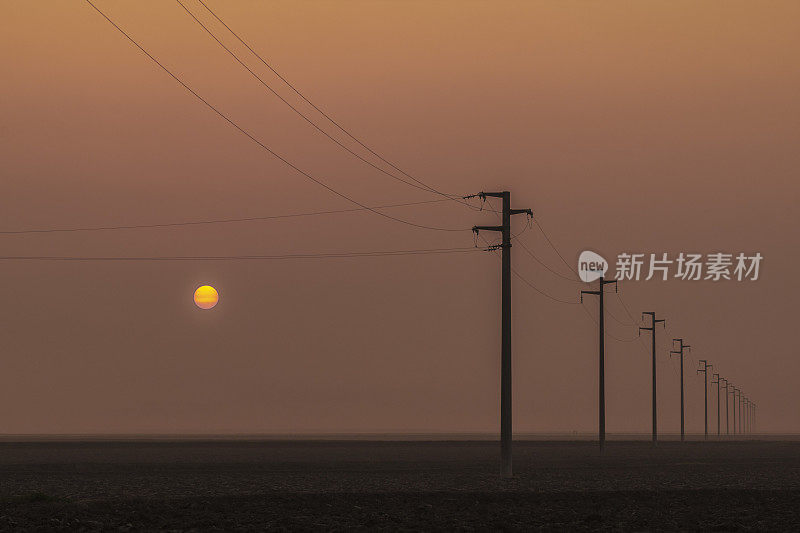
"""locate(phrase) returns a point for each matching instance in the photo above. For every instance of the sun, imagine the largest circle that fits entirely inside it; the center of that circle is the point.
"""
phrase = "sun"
(206, 297)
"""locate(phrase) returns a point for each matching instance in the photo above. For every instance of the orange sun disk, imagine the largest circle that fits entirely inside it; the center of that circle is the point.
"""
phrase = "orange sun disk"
(206, 297)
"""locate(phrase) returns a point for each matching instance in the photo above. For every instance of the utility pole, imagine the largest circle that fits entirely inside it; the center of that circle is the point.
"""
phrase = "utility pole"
(652, 329)
(601, 401)
(505, 323)
(717, 383)
(741, 417)
(680, 353)
(704, 370)
(734, 410)
(742, 414)
(727, 428)
(743, 406)
(747, 414)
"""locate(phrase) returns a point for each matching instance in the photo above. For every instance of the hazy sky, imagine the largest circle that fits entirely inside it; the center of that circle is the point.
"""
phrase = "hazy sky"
(626, 126)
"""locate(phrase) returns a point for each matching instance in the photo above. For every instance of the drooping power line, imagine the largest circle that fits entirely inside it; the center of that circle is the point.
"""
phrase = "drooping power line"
(332, 255)
(211, 221)
(319, 109)
(297, 111)
(260, 143)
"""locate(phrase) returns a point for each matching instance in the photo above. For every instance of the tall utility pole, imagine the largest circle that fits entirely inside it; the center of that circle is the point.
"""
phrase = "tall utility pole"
(680, 353)
(734, 409)
(652, 329)
(505, 323)
(601, 401)
(727, 428)
(704, 370)
(715, 375)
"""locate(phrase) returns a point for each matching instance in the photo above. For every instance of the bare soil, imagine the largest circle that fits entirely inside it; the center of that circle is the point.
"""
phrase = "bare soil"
(408, 486)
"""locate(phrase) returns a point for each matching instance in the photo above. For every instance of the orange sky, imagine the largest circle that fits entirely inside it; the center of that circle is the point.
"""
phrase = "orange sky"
(646, 127)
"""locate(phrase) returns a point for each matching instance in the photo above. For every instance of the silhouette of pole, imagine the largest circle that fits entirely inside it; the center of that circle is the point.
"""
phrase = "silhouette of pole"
(749, 416)
(742, 425)
(717, 383)
(741, 417)
(744, 415)
(680, 353)
(652, 329)
(601, 400)
(727, 428)
(505, 323)
(734, 410)
(704, 370)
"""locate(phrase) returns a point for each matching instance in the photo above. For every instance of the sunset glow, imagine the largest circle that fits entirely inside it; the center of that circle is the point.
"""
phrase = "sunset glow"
(206, 297)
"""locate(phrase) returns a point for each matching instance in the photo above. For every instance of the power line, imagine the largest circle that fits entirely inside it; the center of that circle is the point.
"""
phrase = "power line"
(606, 330)
(552, 245)
(530, 253)
(258, 142)
(537, 289)
(332, 255)
(612, 315)
(212, 221)
(491, 247)
(297, 111)
(627, 310)
(319, 110)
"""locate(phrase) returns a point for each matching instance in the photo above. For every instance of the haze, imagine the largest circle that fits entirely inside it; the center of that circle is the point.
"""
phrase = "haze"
(627, 127)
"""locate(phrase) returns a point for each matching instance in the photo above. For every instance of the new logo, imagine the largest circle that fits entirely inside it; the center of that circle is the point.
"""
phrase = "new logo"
(591, 266)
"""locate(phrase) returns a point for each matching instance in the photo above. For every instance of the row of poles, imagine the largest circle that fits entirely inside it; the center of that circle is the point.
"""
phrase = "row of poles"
(742, 424)
(746, 419)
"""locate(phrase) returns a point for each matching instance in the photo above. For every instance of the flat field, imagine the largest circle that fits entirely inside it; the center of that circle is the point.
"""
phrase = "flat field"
(382, 485)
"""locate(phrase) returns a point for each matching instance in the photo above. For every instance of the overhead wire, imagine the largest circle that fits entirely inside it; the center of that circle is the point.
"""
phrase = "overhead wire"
(297, 111)
(538, 225)
(331, 255)
(260, 143)
(320, 110)
(213, 221)
(597, 323)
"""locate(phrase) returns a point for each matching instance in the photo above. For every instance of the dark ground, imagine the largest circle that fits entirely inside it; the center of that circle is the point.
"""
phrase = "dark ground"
(326, 485)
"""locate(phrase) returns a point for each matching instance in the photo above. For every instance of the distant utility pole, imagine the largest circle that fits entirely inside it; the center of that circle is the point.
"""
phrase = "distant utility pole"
(727, 428)
(747, 414)
(704, 370)
(743, 414)
(505, 323)
(715, 375)
(652, 329)
(734, 409)
(601, 432)
(680, 353)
